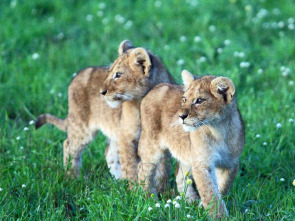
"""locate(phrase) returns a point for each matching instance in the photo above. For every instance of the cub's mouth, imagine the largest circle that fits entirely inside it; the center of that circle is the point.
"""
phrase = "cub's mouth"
(113, 101)
(116, 99)
(188, 128)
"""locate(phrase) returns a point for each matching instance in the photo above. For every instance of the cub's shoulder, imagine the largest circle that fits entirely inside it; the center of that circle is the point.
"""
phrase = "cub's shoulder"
(165, 89)
(89, 74)
(161, 93)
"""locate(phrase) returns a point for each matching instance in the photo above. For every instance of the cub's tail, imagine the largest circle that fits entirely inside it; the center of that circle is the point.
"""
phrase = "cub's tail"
(50, 119)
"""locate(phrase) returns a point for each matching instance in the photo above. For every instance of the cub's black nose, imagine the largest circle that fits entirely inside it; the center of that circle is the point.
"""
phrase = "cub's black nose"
(103, 92)
(183, 116)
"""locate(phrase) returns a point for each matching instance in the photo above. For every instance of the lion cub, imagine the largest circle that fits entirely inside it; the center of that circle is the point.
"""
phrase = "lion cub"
(208, 138)
(133, 74)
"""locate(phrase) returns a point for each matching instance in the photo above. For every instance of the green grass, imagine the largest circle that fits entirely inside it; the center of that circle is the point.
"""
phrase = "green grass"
(59, 31)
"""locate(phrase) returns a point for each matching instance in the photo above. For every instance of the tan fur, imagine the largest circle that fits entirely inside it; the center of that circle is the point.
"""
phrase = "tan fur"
(212, 147)
(139, 71)
(89, 111)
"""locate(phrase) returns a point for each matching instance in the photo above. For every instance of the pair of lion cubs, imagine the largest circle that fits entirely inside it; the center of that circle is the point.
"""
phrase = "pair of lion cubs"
(199, 124)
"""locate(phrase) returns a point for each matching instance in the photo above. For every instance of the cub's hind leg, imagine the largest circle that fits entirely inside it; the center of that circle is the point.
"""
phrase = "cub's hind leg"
(225, 178)
(150, 155)
(182, 173)
(162, 173)
(112, 158)
(79, 136)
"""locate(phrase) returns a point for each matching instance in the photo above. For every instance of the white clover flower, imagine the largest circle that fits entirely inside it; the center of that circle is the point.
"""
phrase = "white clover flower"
(260, 71)
(102, 5)
(24, 186)
(188, 216)
(60, 36)
(150, 208)
(18, 138)
(241, 54)
(227, 42)
(169, 201)
(248, 7)
(262, 13)
(244, 64)
(291, 83)
(257, 135)
(88, 198)
(278, 125)
(236, 54)
(282, 179)
(120, 19)
(74, 74)
(21, 147)
(128, 24)
(159, 25)
(166, 47)
(89, 17)
(26, 128)
(99, 13)
(291, 26)
(281, 24)
(177, 205)
(13, 4)
(193, 3)
(202, 59)
(178, 198)
(167, 205)
(51, 19)
(291, 20)
(31, 122)
(285, 73)
(212, 28)
(276, 11)
(189, 181)
(264, 143)
(288, 70)
(197, 39)
(291, 120)
(105, 21)
(59, 94)
(157, 205)
(180, 62)
(183, 39)
(35, 56)
(1, 189)
(158, 4)
(282, 68)
(51, 91)
(219, 50)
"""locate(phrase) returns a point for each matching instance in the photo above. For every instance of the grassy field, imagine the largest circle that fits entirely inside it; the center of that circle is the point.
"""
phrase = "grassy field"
(43, 43)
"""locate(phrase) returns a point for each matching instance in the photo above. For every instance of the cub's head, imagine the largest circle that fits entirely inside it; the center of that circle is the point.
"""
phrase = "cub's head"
(128, 77)
(205, 100)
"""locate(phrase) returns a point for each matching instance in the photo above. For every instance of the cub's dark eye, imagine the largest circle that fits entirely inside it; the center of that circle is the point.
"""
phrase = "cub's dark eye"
(199, 100)
(183, 99)
(117, 75)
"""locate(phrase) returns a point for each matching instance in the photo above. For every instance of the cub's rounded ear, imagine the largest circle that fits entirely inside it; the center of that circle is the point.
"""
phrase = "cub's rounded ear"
(124, 46)
(223, 88)
(140, 59)
(187, 78)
